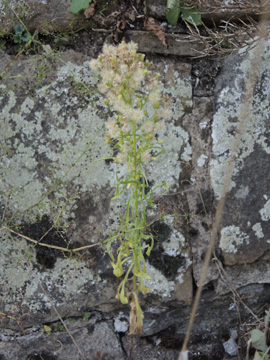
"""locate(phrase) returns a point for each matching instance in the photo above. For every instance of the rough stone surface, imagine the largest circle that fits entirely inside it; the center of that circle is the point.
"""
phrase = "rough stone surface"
(37, 344)
(244, 236)
(45, 15)
(52, 131)
(178, 44)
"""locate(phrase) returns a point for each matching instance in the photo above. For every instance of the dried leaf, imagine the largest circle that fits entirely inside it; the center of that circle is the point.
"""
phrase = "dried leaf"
(131, 15)
(118, 32)
(121, 24)
(132, 318)
(151, 25)
(47, 329)
(90, 11)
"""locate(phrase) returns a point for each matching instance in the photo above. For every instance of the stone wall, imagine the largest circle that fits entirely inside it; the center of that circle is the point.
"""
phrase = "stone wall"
(52, 131)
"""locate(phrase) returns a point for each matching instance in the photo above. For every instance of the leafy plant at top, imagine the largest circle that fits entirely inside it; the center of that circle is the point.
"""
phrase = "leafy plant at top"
(189, 12)
(135, 97)
(77, 5)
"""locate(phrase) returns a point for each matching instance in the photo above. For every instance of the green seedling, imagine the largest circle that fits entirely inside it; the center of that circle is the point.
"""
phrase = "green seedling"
(86, 316)
(3, 45)
(59, 327)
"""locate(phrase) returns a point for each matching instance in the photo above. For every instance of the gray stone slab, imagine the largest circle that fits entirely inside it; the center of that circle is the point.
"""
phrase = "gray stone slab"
(244, 233)
(37, 344)
(178, 44)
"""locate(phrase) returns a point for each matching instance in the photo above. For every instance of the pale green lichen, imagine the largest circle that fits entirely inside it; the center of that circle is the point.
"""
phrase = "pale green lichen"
(257, 228)
(69, 134)
(242, 192)
(231, 237)
(201, 160)
(158, 283)
(19, 276)
(176, 241)
(42, 139)
(183, 269)
(203, 125)
(226, 120)
(265, 211)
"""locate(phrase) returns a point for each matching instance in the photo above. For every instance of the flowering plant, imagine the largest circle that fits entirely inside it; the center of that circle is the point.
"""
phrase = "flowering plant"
(136, 100)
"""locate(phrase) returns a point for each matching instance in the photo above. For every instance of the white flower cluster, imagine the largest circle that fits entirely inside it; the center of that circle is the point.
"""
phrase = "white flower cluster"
(135, 96)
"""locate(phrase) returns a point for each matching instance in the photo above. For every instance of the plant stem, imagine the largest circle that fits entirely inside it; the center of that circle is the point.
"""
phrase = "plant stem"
(134, 169)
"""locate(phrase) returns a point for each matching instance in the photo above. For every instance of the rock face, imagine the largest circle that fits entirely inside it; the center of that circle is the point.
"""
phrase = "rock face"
(245, 227)
(53, 191)
(47, 15)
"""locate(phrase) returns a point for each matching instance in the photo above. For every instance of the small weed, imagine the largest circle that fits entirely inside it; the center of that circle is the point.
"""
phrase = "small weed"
(21, 37)
(59, 327)
(3, 45)
(135, 96)
(86, 316)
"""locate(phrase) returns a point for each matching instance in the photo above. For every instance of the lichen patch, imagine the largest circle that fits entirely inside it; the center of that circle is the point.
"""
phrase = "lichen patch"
(257, 228)
(225, 121)
(265, 211)
(231, 238)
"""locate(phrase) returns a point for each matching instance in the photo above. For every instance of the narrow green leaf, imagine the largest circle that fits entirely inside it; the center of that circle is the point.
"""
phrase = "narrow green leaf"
(173, 11)
(77, 5)
(141, 274)
(150, 247)
(263, 356)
